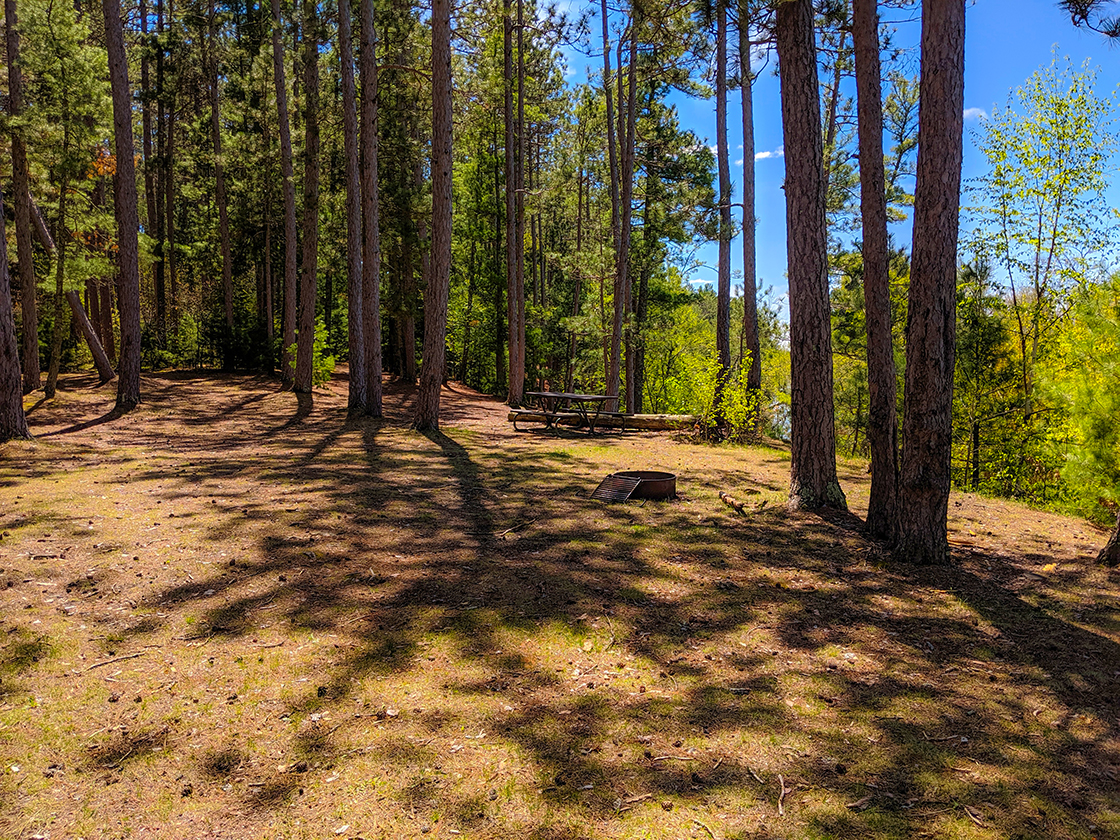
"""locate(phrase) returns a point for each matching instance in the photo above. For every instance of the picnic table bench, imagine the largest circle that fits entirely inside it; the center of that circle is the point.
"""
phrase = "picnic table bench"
(555, 407)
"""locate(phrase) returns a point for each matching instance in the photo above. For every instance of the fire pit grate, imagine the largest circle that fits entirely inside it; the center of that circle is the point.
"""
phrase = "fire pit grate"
(616, 488)
(636, 484)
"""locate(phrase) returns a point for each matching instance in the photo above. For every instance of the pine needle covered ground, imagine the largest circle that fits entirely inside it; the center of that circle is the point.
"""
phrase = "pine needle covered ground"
(232, 614)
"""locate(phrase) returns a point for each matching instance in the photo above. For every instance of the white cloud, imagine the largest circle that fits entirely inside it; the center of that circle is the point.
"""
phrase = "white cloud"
(777, 153)
(739, 162)
(975, 114)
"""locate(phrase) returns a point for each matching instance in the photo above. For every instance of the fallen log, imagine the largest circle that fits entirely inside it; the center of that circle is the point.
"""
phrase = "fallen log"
(741, 507)
(644, 422)
(40, 227)
(100, 357)
(732, 503)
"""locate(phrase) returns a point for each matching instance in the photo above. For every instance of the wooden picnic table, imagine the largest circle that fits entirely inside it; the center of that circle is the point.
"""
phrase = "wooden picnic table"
(555, 405)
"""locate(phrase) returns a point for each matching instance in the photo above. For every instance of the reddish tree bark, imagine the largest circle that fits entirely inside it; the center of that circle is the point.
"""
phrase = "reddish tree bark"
(813, 481)
(882, 422)
(1110, 554)
(13, 421)
(435, 299)
(519, 203)
(927, 423)
(628, 140)
(750, 288)
(32, 373)
(128, 222)
(357, 394)
(371, 219)
(514, 292)
(59, 305)
(309, 264)
(723, 274)
(612, 368)
(220, 179)
(288, 319)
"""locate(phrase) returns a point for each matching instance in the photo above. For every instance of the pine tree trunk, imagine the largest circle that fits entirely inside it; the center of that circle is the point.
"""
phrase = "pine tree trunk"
(641, 310)
(1110, 554)
(723, 283)
(813, 481)
(750, 270)
(309, 264)
(60, 279)
(516, 377)
(517, 366)
(628, 142)
(158, 212)
(32, 373)
(578, 272)
(108, 336)
(882, 423)
(124, 199)
(150, 202)
(409, 296)
(165, 268)
(927, 424)
(169, 202)
(266, 305)
(435, 300)
(288, 325)
(371, 210)
(464, 356)
(500, 336)
(100, 358)
(834, 99)
(614, 348)
(93, 305)
(13, 421)
(220, 185)
(357, 396)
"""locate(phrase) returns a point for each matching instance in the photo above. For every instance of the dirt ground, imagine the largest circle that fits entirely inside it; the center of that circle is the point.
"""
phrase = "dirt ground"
(235, 614)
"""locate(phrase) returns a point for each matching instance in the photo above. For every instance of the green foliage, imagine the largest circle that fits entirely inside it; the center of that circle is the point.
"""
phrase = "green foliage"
(739, 406)
(1040, 223)
(851, 392)
(1086, 384)
(1040, 215)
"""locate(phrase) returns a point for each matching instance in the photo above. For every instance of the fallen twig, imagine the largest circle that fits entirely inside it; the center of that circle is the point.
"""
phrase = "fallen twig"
(613, 639)
(674, 758)
(944, 738)
(116, 764)
(756, 777)
(973, 816)
(710, 832)
(781, 796)
(517, 527)
(114, 659)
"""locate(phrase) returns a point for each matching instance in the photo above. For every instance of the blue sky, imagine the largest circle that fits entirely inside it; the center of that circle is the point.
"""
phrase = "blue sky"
(1005, 42)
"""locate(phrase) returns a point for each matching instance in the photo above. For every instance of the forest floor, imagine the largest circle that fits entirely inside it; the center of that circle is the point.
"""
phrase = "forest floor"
(234, 614)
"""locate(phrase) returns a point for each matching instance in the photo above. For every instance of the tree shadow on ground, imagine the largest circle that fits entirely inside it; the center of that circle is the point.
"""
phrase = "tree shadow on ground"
(775, 670)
